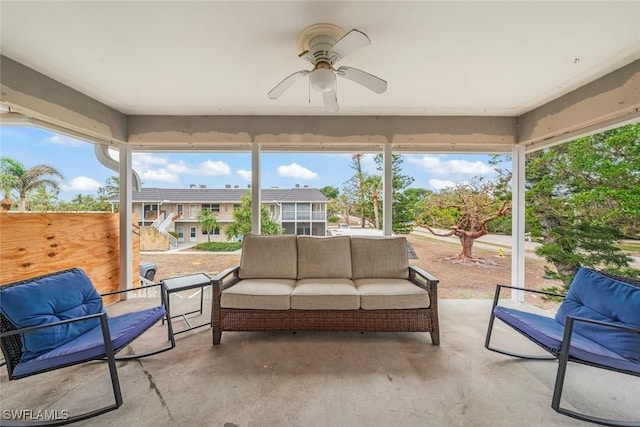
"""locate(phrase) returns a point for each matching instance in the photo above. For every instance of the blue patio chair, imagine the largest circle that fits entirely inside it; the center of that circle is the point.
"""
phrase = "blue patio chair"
(597, 324)
(58, 320)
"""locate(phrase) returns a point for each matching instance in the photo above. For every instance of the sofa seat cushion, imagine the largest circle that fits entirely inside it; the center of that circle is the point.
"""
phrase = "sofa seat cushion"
(324, 257)
(258, 294)
(269, 257)
(381, 294)
(325, 294)
(379, 257)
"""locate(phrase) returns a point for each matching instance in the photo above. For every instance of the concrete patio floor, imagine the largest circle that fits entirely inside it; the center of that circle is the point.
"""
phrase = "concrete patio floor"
(327, 379)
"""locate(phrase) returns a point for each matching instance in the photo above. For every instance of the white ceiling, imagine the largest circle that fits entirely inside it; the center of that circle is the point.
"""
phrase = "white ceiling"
(221, 58)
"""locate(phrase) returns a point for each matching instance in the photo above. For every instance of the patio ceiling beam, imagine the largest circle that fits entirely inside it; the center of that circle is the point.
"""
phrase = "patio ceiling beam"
(607, 102)
(323, 133)
(40, 97)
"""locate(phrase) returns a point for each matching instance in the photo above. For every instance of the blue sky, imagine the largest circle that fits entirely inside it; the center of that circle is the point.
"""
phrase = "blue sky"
(83, 174)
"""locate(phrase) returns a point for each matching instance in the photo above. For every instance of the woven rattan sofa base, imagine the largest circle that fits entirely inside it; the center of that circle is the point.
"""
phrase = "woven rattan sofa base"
(417, 320)
(411, 320)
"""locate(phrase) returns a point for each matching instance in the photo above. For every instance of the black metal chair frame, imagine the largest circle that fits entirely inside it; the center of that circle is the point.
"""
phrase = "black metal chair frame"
(563, 357)
(12, 349)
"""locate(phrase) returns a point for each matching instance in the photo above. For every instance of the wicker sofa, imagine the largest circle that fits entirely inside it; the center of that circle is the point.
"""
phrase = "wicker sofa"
(337, 284)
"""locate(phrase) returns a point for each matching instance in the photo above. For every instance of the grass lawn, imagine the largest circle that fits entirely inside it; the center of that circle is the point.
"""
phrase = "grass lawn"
(219, 246)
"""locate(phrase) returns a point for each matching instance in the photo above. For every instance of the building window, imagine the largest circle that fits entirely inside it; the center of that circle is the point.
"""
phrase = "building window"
(303, 228)
(317, 211)
(288, 211)
(211, 207)
(216, 232)
(304, 212)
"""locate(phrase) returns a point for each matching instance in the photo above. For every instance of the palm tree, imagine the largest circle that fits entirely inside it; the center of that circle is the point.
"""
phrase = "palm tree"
(208, 222)
(15, 176)
(10, 169)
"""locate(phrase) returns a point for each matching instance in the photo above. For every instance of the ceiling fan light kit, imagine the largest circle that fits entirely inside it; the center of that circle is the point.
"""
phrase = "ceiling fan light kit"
(324, 45)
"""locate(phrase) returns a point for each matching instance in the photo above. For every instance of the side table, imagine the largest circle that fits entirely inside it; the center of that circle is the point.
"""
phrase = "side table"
(183, 283)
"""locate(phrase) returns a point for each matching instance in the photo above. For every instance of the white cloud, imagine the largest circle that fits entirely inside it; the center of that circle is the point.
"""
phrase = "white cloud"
(436, 166)
(161, 174)
(294, 170)
(65, 140)
(244, 174)
(157, 168)
(439, 184)
(81, 184)
(211, 168)
(145, 159)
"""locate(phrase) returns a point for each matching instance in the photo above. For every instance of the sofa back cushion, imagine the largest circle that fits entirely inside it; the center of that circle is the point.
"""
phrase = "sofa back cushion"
(596, 296)
(47, 299)
(324, 257)
(379, 257)
(269, 257)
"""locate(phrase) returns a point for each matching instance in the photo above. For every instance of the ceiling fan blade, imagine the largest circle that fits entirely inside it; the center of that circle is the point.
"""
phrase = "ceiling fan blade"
(286, 83)
(330, 101)
(353, 40)
(367, 80)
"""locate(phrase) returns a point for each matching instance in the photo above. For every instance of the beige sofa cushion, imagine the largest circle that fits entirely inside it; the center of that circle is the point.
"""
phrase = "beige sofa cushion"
(325, 294)
(324, 257)
(269, 257)
(380, 294)
(259, 294)
(379, 257)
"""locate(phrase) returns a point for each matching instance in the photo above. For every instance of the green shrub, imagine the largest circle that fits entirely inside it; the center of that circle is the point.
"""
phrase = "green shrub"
(333, 219)
(219, 246)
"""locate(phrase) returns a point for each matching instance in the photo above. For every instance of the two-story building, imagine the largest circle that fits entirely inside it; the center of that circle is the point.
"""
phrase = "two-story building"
(299, 210)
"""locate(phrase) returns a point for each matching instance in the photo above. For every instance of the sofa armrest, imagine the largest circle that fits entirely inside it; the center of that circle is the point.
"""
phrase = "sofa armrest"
(423, 279)
(218, 281)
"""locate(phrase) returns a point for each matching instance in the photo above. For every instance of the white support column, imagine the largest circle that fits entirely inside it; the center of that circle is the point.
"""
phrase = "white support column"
(126, 218)
(387, 190)
(255, 188)
(517, 223)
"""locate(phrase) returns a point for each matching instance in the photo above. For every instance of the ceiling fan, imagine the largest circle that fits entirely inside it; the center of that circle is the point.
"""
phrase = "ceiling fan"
(324, 45)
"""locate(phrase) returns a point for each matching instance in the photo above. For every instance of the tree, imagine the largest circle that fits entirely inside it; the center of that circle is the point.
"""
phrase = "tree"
(586, 195)
(208, 222)
(10, 170)
(242, 220)
(372, 187)
(331, 193)
(43, 200)
(471, 207)
(355, 188)
(403, 217)
(25, 180)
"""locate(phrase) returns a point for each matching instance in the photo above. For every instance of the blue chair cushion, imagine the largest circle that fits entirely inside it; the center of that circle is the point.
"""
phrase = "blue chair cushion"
(547, 332)
(49, 299)
(595, 296)
(90, 345)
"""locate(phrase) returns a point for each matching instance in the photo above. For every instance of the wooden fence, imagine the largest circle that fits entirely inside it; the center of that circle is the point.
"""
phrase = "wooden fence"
(32, 244)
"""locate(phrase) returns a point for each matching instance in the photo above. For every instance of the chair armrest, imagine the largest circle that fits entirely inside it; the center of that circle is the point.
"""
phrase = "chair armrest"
(573, 319)
(535, 291)
(130, 290)
(50, 325)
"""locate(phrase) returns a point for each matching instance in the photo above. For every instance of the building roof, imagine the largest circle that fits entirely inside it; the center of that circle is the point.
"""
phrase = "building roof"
(224, 195)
